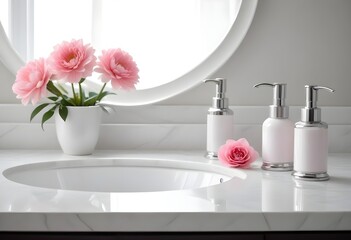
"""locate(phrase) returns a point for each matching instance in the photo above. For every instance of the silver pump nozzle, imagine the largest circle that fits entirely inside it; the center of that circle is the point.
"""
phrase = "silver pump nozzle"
(311, 113)
(278, 109)
(219, 101)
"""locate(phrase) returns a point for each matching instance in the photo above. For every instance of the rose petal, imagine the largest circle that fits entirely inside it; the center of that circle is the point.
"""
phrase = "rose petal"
(118, 66)
(31, 81)
(237, 153)
(71, 61)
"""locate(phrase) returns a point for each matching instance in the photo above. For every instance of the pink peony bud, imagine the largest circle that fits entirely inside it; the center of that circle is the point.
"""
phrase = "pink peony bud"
(71, 61)
(237, 153)
(117, 66)
(31, 81)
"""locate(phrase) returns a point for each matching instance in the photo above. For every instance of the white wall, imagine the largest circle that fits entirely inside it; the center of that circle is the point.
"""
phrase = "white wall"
(6, 79)
(298, 42)
(293, 41)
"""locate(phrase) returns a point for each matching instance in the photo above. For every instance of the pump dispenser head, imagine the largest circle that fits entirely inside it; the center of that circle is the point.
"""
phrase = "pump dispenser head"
(278, 109)
(311, 113)
(219, 102)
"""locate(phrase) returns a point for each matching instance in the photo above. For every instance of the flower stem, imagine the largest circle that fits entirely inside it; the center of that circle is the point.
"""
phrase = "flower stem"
(81, 94)
(74, 94)
(102, 89)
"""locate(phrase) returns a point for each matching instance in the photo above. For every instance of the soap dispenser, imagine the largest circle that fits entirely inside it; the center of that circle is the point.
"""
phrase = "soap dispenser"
(277, 132)
(219, 119)
(311, 140)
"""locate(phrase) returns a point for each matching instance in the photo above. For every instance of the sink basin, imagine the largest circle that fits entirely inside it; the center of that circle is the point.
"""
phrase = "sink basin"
(121, 175)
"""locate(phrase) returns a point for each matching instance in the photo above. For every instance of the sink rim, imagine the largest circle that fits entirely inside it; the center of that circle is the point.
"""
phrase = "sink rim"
(123, 162)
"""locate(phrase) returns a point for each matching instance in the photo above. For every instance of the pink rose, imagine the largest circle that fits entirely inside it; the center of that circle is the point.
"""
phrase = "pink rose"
(71, 61)
(237, 153)
(118, 66)
(31, 81)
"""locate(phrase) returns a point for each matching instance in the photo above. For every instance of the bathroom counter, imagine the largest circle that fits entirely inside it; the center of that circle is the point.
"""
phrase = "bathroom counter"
(261, 201)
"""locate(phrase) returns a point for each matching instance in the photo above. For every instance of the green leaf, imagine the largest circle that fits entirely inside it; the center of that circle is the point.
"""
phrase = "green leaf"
(90, 101)
(93, 98)
(53, 89)
(81, 80)
(92, 94)
(61, 88)
(104, 109)
(37, 110)
(47, 116)
(104, 94)
(63, 111)
(53, 98)
(66, 101)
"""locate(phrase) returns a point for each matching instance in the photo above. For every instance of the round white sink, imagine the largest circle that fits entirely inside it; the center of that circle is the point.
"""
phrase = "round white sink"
(121, 175)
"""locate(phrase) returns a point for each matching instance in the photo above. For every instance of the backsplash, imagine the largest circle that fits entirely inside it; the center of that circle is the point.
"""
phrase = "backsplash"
(154, 127)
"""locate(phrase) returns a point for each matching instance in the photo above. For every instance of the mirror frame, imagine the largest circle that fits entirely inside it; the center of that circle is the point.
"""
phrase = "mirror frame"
(11, 60)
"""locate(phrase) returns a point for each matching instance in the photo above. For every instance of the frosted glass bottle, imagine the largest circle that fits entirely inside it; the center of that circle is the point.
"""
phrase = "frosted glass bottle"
(219, 120)
(311, 140)
(311, 149)
(277, 132)
(219, 130)
(278, 142)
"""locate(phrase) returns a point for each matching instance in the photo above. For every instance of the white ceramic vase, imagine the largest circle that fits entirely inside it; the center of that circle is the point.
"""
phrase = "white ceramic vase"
(79, 134)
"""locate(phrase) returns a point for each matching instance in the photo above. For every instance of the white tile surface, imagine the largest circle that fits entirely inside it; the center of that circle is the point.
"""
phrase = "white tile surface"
(161, 127)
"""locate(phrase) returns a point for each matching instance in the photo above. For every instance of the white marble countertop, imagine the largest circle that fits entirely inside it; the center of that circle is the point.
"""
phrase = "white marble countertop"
(260, 201)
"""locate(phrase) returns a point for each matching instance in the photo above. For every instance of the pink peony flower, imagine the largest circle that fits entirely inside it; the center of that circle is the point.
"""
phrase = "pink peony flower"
(31, 81)
(237, 153)
(71, 61)
(118, 66)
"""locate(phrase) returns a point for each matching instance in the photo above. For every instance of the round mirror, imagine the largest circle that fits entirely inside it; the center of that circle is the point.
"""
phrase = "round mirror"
(176, 44)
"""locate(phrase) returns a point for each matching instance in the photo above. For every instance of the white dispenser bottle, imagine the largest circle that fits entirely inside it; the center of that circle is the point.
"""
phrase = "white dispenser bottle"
(219, 120)
(311, 140)
(277, 133)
